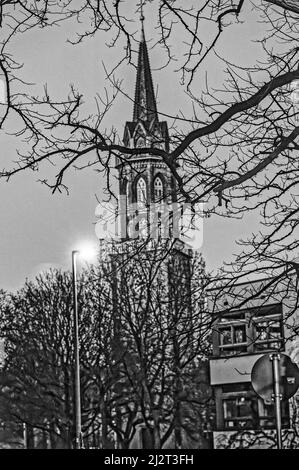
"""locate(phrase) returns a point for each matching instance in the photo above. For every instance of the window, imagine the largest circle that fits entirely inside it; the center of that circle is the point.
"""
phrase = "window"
(243, 409)
(159, 226)
(268, 332)
(250, 331)
(232, 334)
(141, 191)
(126, 192)
(241, 412)
(158, 189)
(140, 142)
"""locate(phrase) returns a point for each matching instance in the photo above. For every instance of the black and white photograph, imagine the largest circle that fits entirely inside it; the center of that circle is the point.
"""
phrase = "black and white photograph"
(149, 234)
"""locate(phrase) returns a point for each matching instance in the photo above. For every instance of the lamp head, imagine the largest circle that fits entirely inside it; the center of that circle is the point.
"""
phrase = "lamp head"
(87, 252)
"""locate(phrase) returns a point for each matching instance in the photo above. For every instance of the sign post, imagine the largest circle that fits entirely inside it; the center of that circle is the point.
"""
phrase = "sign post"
(274, 377)
(275, 358)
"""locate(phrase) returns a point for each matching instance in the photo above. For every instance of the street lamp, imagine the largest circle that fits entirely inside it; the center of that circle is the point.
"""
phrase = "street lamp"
(87, 252)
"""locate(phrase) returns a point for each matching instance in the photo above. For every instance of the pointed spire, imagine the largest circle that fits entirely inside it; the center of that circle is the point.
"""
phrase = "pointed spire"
(145, 108)
(142, 21)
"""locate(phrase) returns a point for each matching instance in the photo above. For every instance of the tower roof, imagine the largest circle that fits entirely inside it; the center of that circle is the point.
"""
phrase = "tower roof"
(145, 129)
(145, 108)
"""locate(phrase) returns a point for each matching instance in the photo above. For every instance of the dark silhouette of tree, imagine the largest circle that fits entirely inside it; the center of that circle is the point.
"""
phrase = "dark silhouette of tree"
(143, 353)
(37, 382)
(237, 148)
(162, 343)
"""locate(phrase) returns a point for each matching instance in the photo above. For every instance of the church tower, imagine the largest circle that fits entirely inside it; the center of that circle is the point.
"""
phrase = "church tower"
(151, 281)
(144, 180)
(148, 191)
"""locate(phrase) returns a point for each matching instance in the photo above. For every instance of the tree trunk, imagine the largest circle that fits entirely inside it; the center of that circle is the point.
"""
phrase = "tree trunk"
(104, 428)
(156, 430)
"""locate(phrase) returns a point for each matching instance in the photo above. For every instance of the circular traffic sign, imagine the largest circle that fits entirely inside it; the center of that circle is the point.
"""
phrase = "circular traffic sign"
(262, 376)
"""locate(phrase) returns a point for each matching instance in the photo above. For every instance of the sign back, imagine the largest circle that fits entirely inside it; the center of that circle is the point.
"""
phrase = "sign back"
(262, 377)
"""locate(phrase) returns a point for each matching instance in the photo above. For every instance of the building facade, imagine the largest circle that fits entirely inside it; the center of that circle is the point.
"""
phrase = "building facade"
(249, 321)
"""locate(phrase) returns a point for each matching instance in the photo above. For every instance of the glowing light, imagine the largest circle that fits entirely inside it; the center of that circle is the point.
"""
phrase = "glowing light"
(87, 252)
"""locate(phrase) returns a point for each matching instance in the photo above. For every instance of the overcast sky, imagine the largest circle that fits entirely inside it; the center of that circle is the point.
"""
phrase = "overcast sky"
(39, 229)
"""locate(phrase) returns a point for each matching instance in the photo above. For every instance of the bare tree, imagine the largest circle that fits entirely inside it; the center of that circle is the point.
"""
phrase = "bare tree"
(144, 342)
(37, 382)
(236, 150)
(162, 346)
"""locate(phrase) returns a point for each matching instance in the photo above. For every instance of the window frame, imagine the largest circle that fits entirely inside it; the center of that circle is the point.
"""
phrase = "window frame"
(158, 197)
(232, 325)
(268, 319)
(249, 318)
(262, 420)
(143, 190)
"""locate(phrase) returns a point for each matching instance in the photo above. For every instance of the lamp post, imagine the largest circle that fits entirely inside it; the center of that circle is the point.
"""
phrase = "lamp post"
(86, 252)
(77, 359)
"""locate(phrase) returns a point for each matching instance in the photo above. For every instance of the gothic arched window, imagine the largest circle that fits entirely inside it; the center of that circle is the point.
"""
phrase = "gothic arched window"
(158, 189)
(126, 194)
(141, 191)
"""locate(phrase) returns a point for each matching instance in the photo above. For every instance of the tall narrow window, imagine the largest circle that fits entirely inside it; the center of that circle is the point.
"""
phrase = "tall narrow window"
(126, 192)
(158, 189)
(141, 191)
(124, 212)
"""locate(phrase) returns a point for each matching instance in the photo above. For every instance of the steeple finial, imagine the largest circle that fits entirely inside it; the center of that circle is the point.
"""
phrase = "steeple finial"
(142, 20)
(141, 11)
